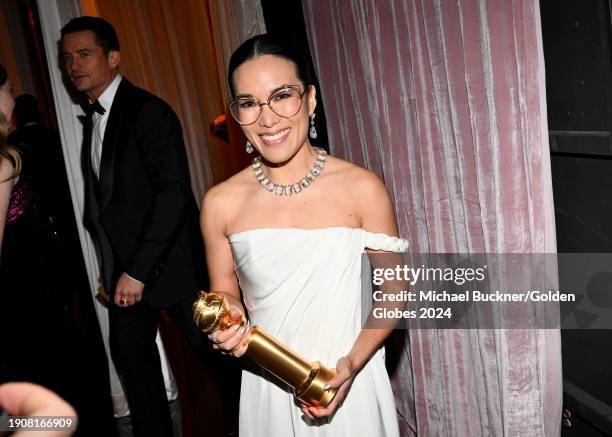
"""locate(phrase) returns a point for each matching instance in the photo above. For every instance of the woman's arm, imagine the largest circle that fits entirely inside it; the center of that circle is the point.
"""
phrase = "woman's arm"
(375, 210)
(377, 215)
(220, 263)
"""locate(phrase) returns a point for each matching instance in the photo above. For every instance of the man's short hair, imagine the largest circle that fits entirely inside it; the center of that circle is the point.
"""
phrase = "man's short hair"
(106, 37)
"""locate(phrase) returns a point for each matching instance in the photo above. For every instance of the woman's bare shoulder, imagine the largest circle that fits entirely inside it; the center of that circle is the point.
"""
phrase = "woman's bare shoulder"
(367, 194)
(354, 176)
(229, 193)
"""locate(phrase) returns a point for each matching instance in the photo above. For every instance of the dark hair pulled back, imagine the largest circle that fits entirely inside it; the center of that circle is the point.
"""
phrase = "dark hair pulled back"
(267, 45)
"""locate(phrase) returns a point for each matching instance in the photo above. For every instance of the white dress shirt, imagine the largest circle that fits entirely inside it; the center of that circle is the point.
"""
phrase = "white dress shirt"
(99, 123)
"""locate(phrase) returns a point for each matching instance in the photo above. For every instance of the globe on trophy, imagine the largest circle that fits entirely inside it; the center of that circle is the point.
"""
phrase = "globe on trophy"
(308, 379)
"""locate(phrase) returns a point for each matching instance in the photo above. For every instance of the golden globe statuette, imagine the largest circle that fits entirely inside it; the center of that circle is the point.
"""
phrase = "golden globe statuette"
(308, 380)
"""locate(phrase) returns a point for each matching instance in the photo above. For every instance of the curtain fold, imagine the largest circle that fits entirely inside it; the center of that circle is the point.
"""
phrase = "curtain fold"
(8, 57)
(234, 21)
(179, 51)
(445, 101)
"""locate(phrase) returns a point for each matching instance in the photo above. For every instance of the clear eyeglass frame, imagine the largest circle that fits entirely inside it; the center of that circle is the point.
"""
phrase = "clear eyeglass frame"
(296, 88)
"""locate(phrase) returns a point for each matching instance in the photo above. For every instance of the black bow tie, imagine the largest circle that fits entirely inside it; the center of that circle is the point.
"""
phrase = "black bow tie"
(94, 107)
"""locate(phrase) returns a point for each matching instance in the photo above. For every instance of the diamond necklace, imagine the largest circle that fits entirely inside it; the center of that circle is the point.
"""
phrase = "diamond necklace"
(291, 189)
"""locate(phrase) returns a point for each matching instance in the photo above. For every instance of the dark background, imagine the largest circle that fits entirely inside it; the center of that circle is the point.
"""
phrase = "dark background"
(577, 41)
(285, 21)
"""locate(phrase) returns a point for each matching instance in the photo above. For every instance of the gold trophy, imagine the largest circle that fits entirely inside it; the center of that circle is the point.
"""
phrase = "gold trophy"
(308, 380)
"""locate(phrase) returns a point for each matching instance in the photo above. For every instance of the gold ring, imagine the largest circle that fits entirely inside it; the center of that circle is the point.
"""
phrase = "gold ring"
(123, 301)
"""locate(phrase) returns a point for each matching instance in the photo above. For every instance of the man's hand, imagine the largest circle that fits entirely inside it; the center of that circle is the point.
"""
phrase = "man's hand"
(128, 291)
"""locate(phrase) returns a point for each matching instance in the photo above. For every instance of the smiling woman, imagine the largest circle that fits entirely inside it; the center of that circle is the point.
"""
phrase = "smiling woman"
(285, 102)
(288, 232)
(284, 118)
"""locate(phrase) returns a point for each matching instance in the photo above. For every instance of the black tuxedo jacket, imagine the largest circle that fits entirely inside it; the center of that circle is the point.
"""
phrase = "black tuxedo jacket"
(141, 208)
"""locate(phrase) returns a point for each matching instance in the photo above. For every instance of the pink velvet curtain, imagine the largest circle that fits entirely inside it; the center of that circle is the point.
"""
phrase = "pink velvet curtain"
(445, 100)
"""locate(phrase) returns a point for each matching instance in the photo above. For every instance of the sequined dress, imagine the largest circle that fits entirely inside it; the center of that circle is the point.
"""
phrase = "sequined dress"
(22, 202)
(29, 312)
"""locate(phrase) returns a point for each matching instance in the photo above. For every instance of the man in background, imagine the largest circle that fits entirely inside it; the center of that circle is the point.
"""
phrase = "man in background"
(142, 212)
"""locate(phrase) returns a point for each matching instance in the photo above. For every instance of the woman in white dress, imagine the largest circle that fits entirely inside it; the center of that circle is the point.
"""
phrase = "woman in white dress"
(286, 236)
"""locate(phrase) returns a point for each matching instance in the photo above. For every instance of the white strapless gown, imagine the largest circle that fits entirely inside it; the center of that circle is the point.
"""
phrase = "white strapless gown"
(303, 286)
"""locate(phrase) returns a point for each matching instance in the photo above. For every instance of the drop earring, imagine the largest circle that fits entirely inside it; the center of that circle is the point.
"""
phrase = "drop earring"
(249, 147)
(313, 130)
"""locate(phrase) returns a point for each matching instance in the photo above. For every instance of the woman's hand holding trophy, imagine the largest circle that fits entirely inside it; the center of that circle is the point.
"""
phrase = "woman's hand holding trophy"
(216, 314)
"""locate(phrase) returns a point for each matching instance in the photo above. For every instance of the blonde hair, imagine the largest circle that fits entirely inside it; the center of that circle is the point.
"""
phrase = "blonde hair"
(6, 151)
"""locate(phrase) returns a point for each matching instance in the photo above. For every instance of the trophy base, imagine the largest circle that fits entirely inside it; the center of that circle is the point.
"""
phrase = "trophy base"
(313, 392)
(211, 312)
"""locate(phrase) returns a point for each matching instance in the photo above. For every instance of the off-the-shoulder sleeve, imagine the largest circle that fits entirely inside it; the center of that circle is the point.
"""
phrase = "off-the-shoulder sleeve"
(380, 241)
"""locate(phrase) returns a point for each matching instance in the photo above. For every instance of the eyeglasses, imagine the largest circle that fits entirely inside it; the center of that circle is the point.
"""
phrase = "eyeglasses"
(286, 102)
